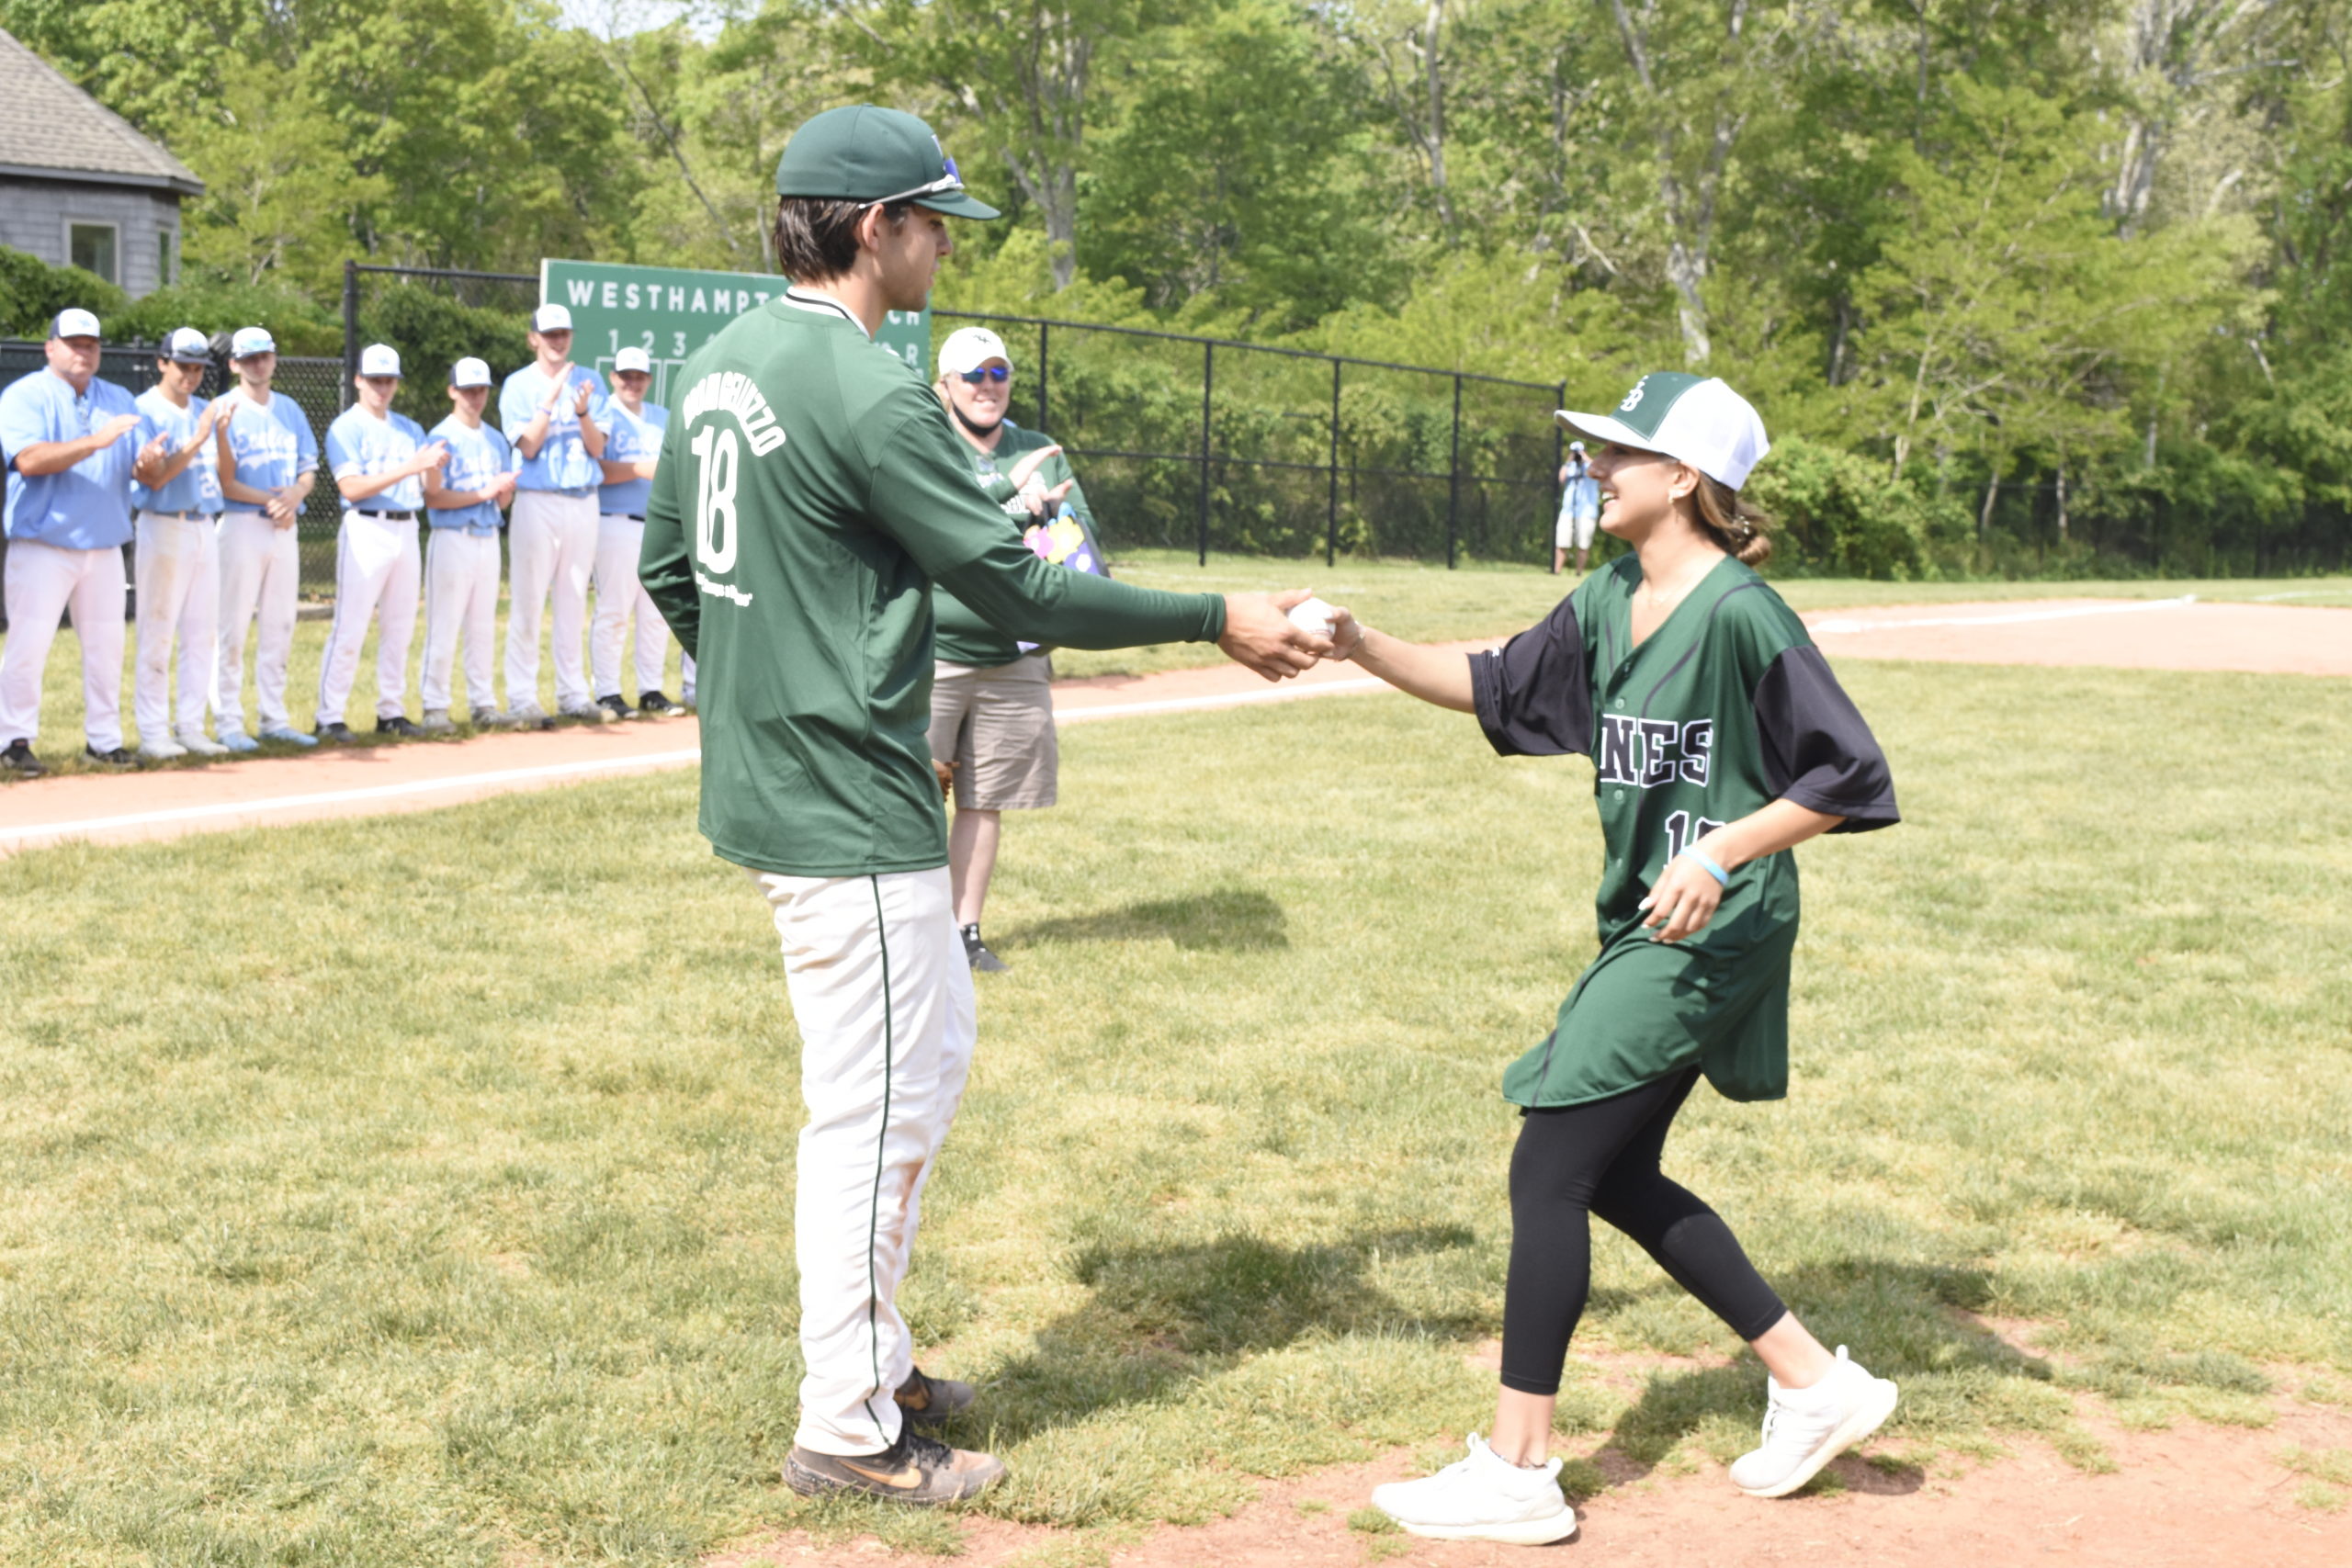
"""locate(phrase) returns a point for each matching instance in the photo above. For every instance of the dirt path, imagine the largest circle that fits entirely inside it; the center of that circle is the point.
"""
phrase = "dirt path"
(168, 802)
(2194, 1496)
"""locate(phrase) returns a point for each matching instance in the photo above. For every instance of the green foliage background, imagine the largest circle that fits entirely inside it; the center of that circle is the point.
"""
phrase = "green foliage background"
(2023, 291)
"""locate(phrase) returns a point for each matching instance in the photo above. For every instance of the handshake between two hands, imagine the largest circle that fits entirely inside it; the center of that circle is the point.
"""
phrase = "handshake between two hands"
(1282, 635)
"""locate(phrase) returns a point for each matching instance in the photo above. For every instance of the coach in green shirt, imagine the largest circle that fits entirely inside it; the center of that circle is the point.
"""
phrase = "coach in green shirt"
(809, 493)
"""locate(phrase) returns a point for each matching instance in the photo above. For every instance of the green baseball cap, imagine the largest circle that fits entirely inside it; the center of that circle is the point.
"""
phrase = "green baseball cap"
(867, 153)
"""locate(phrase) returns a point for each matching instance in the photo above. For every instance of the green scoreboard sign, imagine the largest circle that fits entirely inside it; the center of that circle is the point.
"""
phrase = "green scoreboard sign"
(670, 313)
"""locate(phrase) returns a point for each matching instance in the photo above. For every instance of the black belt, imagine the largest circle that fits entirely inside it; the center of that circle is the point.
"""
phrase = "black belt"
(177, 516)
(388, 517)
(633, 516)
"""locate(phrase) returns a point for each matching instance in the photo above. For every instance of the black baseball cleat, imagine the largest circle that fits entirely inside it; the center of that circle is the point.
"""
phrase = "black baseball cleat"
(399, 724)
(118, 758)
(614, 706)
(654, 703)
(19, 759)
(976, 954)
(336, 735)
(915, 1469)
(932, 1400)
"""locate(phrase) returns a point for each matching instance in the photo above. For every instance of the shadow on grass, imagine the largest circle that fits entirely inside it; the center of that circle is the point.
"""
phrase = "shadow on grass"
(1224, 919)
(1898, 1317)
(1163, 1318)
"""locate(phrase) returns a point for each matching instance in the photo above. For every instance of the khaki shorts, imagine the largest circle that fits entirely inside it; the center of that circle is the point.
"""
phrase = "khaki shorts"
(996, 725)
(1574, 530)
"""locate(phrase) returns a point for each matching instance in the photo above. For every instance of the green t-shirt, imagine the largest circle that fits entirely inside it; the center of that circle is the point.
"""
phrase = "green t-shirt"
(809, 493)
(1727, 707)
(965, 636)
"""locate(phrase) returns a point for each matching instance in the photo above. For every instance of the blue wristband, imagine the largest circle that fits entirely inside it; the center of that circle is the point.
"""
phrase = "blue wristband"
(1710, 867)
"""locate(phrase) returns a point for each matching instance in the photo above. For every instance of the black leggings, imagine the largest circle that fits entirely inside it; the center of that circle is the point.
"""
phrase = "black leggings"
(1602, 1158)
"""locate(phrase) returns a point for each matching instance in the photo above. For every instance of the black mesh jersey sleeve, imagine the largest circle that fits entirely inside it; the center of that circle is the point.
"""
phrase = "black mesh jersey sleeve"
(1817, 750)
(1535, 694)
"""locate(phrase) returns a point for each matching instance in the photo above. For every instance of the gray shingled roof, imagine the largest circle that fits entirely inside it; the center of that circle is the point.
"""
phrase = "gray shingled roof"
(49, 127)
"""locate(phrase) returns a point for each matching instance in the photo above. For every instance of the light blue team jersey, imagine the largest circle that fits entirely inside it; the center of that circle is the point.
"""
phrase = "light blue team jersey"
(478, 454)
(1581, 496)
(271, 446)
(635, 437)
(197, 488)
(88, 507)
(563, 463)
(360, 445)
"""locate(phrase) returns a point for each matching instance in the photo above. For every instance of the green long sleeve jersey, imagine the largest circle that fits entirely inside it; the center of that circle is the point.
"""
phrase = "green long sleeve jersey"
(809, 493)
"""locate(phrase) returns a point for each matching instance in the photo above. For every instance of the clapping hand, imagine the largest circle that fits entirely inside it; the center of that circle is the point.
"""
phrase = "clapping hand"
(151, 457)
(580, 398)
(1029, 490)
(430, 457)
(500, 488)
(116, 428)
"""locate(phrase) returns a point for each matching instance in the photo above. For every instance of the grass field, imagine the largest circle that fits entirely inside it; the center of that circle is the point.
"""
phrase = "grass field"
(417, 1190)
(1407, 598)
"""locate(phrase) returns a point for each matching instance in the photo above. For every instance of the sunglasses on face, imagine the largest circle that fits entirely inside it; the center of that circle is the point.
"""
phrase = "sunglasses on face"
(997, 373)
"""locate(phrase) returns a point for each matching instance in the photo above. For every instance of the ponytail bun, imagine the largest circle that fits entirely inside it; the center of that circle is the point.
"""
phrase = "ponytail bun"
(1737, 525)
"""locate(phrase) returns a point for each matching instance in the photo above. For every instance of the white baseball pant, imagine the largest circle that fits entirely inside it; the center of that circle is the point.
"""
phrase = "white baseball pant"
(552, 538)
(261, 571)
(619, 595)
(883, 997)
(686, 678)
(41, 580)
(177, 568)
(377, 569)
(460, 596)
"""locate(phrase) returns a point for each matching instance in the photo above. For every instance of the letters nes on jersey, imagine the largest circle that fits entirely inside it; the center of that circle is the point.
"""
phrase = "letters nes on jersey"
(670, 312)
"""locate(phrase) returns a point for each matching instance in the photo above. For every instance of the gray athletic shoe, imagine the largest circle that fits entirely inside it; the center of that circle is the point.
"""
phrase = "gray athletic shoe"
(528, 716)
(930, 1400)
(436, 722)
(288, 736)
(238, 741)
(586, 713)
(976, 954)
(915, 1469)
(195, 741)
(162, 748)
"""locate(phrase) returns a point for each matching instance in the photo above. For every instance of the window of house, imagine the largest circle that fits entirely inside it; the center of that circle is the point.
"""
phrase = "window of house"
(162, 258)
(90, 246)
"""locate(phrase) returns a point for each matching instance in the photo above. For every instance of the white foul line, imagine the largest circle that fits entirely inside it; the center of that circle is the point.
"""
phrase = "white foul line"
(18, 837)
(1842, 628)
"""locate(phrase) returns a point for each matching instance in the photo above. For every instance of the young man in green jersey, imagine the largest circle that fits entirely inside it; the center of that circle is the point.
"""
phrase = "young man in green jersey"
(809, 493)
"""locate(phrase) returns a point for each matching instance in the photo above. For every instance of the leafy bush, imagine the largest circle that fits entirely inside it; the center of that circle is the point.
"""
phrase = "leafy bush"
(213, 306)
(434, 332)
(32, 292)
(1841, 515)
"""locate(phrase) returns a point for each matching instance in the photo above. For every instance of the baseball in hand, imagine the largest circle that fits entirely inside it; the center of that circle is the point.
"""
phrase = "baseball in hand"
(1313, 616)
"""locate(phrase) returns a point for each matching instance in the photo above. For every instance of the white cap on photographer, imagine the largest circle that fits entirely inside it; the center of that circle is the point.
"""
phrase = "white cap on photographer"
(968, 348)
(1692, 419)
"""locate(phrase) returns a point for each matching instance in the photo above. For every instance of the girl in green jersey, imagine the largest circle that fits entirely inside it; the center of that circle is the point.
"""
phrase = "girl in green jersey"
(1720, 741)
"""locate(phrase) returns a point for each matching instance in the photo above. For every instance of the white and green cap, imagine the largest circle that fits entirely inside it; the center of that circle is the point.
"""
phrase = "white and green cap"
(1693, 419)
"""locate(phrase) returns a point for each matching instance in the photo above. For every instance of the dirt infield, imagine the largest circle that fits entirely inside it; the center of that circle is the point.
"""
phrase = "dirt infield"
(2172, 633)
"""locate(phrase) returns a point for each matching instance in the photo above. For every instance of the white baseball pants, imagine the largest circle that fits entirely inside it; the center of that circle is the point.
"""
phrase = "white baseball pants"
(261, 571)
(883, 997)
(686, 678)
(619, 594)
(41, 580)
(377, 569)
(553, 538)
(460, 597)
(177, 568)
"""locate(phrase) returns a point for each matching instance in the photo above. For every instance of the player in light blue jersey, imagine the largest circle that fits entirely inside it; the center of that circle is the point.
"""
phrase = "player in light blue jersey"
(554, 414)
(176, 566)
(269, 461)
(630, 455)
(379, 459)
(462, 556)
(66, 436)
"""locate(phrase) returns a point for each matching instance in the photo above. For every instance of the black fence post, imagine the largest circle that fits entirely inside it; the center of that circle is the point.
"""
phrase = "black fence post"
(1559, 460)
(1042, 330)
(1208, 383)
(1332, 526)
(350, 333)
(1454, 479)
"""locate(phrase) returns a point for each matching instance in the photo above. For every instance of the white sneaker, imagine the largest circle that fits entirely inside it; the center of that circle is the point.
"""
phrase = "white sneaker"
(436, 722)
(1805, 1429)
(161, 749)
(1483, 1497)
(194, 739)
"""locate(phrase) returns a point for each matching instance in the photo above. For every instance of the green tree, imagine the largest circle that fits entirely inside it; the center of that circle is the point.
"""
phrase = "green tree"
(278, 184)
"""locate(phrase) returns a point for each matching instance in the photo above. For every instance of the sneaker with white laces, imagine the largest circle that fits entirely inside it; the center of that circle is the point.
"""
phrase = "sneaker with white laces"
(162, 748)
(1805, 1429)
(197, 743)
(1483, 1497)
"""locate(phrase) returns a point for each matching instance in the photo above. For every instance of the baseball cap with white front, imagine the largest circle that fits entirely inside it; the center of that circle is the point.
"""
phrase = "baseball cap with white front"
(73, 323)
(250, 341)
(1693, 419)
(380, 359)
(469, 372)
(968, 348)
(551, 319)
(632, 359)
(187, 346)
